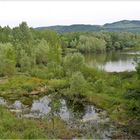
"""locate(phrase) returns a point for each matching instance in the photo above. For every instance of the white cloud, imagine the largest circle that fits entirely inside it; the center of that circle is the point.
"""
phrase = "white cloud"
(45, 13)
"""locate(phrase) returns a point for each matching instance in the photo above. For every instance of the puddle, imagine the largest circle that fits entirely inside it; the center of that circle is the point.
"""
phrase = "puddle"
(64, 112)
(3, 101)
(41, 107)
(78, 116)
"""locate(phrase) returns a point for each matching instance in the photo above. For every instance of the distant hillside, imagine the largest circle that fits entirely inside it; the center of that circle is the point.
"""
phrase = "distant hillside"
(73, 28)
(124, 25)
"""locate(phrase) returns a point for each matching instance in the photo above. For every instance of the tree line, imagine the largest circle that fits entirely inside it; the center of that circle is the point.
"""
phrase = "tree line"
(23, 48)
(100, 41)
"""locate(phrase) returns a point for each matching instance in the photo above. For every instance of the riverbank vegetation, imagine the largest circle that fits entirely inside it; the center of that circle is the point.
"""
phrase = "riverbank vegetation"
(98, 42)
(39, 62)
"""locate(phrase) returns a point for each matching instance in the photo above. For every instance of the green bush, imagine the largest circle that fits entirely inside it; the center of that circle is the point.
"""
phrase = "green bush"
(7, 59)
(100, 86)
(55, 70)
(78, 84)
(57, 83)
(73, 63)
(12, 127)
(133, 108)
(40, 72)
(88, 44)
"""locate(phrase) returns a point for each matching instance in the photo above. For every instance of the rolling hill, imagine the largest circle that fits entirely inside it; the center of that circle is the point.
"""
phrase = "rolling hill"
(123, 25)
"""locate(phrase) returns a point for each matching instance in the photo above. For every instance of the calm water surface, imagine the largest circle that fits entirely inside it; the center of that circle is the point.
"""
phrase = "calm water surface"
(113, 61)
(87, 118)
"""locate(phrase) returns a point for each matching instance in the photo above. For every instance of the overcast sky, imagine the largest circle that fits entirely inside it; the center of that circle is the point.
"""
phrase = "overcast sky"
(46, 13)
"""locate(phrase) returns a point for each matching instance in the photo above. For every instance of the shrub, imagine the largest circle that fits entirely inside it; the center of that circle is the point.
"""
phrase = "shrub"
(100, 85)
(55, 70)
(73, 62)
(57, 83)
(7, 59)
(40, 72)
(78, 84)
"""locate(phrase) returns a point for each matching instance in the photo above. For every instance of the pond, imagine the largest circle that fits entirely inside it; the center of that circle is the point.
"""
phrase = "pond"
(90, 120)
(118, 61)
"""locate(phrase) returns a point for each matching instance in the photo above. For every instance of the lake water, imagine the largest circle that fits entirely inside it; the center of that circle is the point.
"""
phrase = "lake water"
(113, 61)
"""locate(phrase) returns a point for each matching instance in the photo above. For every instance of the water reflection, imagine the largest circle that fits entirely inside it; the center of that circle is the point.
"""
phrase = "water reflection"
(86, 118)
(41, 106)
(90, 113)
(113, 61)
(64, 113)
(17, 105)
(77, 109)
(3, 101)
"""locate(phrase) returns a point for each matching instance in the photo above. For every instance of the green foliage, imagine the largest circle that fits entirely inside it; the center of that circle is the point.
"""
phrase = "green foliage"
(25, 62)
(133, 94)
(73, 43)
(40, 72)
(73, 62)
(50, 36)
(117, 45)
(23, 36)
(41, 52)
(100, 85)
(78, 84)
(54, 54)
(7, 57)
(89, 44)
(133, 108)
(133, 91)
(55, 70)
(17, 86)
(138, 69)
(100, 41)
(12, 127)
(57, 83)
(27, 52)
(5, 34)
(93, 74)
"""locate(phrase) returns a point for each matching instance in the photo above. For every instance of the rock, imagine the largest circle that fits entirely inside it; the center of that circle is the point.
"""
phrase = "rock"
(17, 105)
(31, 116)
(39, 91)
(93, 118)
(16, 110)
(3, 102)
(35, 92)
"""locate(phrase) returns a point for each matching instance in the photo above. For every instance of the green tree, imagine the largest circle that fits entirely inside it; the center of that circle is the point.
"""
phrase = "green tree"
(22, 38)
(55, 54)
(73, 43)
(5, 34)
(55, 50)
(41, 52)
(73, 62)
(78, 84)
(25, 62)
(8, 59)
(89, 44)
(55, 70)
(117, 45)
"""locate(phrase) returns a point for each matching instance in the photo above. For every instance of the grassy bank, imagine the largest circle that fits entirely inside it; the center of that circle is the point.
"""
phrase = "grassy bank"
(117, 93)
(15, 128)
